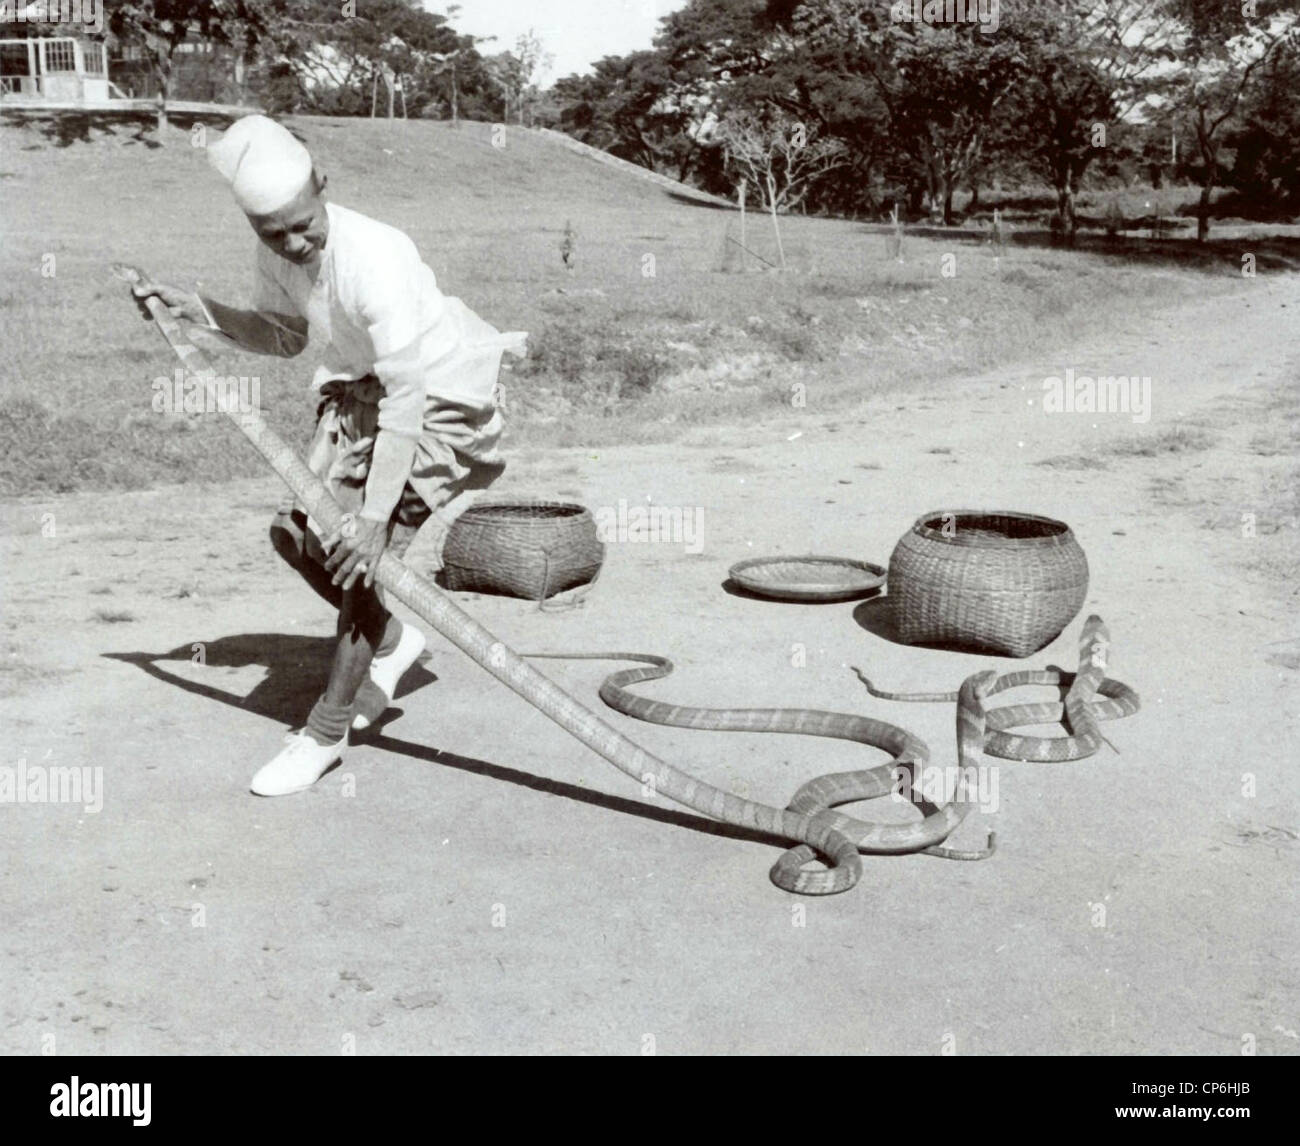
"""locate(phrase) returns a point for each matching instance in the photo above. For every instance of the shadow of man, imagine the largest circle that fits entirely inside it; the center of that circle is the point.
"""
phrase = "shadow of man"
(296, 669)
(296, 665)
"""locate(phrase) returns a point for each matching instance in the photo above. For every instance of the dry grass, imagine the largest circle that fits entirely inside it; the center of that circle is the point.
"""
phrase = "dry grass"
(1175, 440)
(114, 616)
(646, 340)
(1073, 462)
(1171, 442)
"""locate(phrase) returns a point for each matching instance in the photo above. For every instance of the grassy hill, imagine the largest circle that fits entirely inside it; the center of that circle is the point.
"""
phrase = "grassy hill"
(644, 337)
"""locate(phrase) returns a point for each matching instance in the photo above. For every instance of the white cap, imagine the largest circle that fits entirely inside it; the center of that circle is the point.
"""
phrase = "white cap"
(263, 163)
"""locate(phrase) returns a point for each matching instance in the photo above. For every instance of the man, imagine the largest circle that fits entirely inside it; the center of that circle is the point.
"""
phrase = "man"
(407, 418)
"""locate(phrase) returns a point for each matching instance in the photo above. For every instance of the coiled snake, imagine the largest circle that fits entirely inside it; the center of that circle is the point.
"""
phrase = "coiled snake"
(1090, 698)
(809, 819)
(843, 837)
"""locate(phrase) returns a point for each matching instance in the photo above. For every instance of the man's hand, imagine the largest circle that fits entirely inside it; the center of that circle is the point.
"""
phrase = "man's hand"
(357, 548)
(181, 303)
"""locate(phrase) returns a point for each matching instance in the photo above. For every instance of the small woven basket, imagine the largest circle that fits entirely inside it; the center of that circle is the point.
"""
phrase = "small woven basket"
(989, 580)
(526, 548)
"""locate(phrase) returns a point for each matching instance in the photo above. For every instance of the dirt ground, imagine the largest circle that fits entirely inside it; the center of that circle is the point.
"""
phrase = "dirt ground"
(473, 880)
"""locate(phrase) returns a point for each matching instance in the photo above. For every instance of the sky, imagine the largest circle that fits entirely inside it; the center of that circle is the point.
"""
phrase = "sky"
(576, 32)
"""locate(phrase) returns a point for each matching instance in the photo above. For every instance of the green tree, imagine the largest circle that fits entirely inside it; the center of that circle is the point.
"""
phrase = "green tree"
(1089, 64)
(335, 53)
(161, 26)
(1222, 50)
(632, 107)
(1267, 145)
(941, 85)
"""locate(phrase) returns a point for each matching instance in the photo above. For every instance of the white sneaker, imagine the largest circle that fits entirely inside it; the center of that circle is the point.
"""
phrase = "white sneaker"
(386, 671)
(300, 763)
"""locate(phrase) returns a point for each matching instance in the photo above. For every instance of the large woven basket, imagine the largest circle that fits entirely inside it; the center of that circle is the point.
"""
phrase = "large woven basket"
(524, 548)
(987, 580)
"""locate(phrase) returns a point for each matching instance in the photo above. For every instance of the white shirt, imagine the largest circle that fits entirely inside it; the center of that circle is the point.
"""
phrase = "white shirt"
(376, 305)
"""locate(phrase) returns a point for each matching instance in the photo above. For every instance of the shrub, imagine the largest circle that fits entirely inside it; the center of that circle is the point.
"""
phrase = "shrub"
(585, 361)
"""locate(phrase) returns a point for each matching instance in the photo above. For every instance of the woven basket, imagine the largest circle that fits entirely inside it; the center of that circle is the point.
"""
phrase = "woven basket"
(987, 580)
(527, 548)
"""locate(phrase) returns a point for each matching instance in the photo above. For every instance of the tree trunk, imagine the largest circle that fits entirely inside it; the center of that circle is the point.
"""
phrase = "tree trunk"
(162, 107)
(744, 247)
(948, 219)
(688, 161)
(776, 226)
(163, 66)
(915, 197)
(1210, 165)
(1066, 218)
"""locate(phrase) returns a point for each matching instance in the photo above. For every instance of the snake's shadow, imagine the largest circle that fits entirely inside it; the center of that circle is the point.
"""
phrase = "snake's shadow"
(297, 668)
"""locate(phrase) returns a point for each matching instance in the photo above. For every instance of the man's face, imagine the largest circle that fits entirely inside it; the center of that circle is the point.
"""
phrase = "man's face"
(298, 230)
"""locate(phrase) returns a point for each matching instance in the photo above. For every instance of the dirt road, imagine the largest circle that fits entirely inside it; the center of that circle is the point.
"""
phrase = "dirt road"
(472, 880)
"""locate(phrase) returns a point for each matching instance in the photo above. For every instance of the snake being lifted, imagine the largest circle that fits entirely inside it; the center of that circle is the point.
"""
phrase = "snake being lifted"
(808, 821)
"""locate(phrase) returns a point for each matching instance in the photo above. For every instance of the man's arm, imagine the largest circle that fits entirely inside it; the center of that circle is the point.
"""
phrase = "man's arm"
(356, 552)
(390, 468)
(262, 332)
(401, 310)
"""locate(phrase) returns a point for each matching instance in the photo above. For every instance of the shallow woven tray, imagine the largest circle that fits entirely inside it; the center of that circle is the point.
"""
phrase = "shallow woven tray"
(808, 578)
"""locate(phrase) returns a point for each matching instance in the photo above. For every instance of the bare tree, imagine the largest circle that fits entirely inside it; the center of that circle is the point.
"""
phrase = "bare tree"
(517, 73)
(783, 157)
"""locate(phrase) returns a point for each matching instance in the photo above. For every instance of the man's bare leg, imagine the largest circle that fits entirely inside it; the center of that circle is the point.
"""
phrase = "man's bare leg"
(309, 754)
(363, 620)
(364, 624)
(289, 538)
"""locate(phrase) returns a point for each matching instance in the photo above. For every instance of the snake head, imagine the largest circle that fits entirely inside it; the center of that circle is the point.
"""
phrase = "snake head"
(128, 273)
(978, 684)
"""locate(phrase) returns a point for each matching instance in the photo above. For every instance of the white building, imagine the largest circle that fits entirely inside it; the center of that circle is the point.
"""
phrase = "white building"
(59, 69)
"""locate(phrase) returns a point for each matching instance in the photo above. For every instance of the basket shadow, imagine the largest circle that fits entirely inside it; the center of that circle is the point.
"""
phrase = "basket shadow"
(296, 670)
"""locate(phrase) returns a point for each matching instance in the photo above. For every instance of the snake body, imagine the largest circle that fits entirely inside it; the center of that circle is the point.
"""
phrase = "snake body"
(436, 608)
(817, 797)
(808, 821)
(1090, 697)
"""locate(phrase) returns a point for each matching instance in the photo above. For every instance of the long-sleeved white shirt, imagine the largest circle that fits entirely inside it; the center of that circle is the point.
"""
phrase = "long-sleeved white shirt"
(376, 306)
